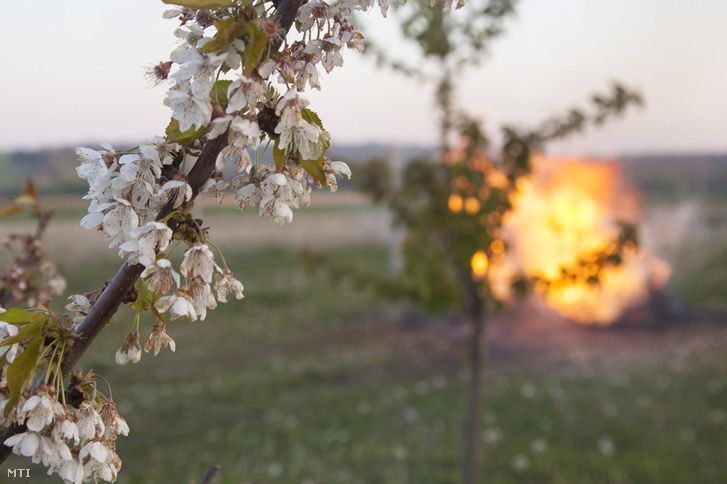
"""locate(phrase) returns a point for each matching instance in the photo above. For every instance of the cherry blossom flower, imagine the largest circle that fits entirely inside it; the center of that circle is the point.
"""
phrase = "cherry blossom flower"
(202, 298)
(159, 338)
(160, 276)
(38, 411)
(147, 241)
(178, 191)
(226, 284)
(119, 221)
(244, 92)
(89, 422)
(7, 331)
(332, 170)
(115, 423)
(198, 261)
(249, 195)
(66, 430)
(179, 304)
(72, 471)
(25, 443)
(281, 192)
(294, 129)
(215, 187)
(191, 105)
(130, 349)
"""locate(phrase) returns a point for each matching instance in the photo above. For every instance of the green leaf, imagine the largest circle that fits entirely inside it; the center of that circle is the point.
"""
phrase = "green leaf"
(315, 169)
(279, 156)
(226, 32)
(255, 47)
(201, 4)
(219, 92)
(29, 331)
(10, 210)
(144, 293)
(145, 299)
(20, 370)
(175, 136)
(16, 316)
(311, 117)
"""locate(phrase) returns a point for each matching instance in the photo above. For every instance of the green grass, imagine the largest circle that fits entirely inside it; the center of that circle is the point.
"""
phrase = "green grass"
(703, 288)
(304, 383)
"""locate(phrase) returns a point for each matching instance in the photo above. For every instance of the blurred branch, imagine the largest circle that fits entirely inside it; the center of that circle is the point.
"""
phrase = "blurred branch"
(211, 474)
(34, 253)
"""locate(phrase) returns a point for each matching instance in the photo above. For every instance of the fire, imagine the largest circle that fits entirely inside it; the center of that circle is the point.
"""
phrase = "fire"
(564, 224)
(479, 264)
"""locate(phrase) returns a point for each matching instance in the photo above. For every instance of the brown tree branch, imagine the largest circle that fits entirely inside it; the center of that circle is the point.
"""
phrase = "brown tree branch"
(211, 474)
(109, 301)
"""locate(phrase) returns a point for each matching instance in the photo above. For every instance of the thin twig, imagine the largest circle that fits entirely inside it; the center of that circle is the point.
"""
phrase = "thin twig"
(6, 298)
(211, 474)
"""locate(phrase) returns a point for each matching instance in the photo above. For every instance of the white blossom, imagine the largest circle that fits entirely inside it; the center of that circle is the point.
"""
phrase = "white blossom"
(179, 304)
(25, 443)
(8, 331)
(215, 187)
(332, 170)
(65, 430)
(98, 169)
(147, 241)
(38, 411)
(118, 222)
(178, 190)
(202, 298)
(130, 349)
(72, 472)
(159, 338)
(281, 192)
(191, 105)
(88, 421)
(292, 128)
(198, 261)
(160, 276)
(226, 284)
(244, 92)
(115, 423)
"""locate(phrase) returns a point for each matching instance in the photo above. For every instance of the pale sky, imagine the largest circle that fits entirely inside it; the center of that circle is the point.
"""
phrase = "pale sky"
(73, 73)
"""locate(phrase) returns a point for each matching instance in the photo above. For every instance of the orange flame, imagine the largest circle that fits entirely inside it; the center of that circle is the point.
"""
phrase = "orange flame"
(563, 216)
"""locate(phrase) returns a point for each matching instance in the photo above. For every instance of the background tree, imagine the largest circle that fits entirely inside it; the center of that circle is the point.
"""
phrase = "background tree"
(452, 206)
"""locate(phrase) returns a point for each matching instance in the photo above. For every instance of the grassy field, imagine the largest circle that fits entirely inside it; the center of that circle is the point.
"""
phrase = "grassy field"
(305, 383)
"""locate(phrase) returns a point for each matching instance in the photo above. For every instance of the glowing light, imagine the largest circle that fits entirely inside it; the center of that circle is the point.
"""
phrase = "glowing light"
(461, 182)
(479, 264)
(471, 205)
(497, 247)
(455, 203)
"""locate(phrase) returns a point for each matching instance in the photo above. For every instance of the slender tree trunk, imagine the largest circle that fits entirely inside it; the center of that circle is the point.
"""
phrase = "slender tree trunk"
(478, 353)
(444, 100)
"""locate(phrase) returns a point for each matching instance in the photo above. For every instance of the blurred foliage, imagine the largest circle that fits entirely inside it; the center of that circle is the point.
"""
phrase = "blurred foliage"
(440, 240)
(458, 39)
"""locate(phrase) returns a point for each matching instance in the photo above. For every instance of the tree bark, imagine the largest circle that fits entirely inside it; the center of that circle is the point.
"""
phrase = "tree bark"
(478, 363)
